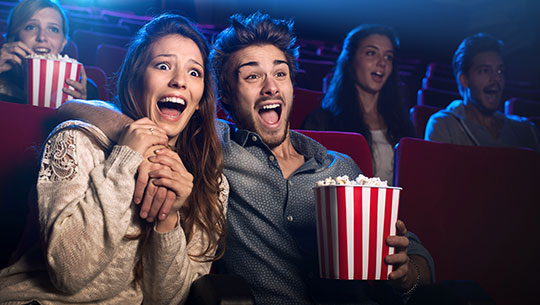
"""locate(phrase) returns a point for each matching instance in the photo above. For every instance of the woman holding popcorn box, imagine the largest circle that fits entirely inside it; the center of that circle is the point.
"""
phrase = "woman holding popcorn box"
(38, 29)
(95, 247)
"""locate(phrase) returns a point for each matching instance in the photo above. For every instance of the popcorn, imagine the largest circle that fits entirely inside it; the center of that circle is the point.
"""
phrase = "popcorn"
(361, 180)
(60, 57)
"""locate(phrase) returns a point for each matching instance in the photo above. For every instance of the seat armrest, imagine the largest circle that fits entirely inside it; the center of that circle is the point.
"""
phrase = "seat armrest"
(220, 289)
(451, 293)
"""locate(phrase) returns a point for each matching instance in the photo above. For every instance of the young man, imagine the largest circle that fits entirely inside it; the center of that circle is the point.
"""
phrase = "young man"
(271, 171)
(476, 120)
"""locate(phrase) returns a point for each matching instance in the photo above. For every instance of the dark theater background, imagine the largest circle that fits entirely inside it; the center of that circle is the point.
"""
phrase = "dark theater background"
(506, 200)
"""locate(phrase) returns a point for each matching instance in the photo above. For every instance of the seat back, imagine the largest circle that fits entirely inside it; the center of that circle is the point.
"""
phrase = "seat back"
(522, 107)
(476, 210)
(110, 58)
(305, 101)
(88, 41)
(420, 115)
(350, 143)
(97, 75)
(24, 128)
(436, 97)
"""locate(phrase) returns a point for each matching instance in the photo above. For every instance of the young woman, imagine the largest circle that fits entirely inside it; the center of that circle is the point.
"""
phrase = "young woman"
(363, 96)
(95, 248)
(35, 27)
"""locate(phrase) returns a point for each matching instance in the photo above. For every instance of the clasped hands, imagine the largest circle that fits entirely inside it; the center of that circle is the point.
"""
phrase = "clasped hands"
(163, 183)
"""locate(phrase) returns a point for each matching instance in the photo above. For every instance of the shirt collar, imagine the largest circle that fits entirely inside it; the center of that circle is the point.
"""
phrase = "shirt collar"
(306, 146)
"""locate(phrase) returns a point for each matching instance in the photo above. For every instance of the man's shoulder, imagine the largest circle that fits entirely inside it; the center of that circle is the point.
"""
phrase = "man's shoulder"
(452, 112)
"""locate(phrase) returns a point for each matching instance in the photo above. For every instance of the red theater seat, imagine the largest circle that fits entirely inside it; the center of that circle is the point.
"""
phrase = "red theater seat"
(24, 128)
(436, 97)
(476, 210)
(420, 115)
(88, 42)
(110, 58)
(98, 76)
(522, 107)
(305, 101)
(352, 144)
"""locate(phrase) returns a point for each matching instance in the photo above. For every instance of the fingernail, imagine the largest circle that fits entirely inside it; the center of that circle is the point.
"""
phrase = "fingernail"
(150, 219)
(144, 215)
(162, 216)
(151, 158)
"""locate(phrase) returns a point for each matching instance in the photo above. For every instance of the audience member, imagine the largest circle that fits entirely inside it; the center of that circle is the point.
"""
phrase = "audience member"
(35, 27)
(95, 247)
(476, 119)
(271, 170)
(363, 96)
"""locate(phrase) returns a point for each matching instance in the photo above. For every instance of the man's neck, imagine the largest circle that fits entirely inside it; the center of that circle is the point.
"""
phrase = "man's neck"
(288, 158)
(487, 120)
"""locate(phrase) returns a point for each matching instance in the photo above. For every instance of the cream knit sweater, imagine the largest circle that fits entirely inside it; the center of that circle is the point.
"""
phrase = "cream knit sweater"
(85, 213)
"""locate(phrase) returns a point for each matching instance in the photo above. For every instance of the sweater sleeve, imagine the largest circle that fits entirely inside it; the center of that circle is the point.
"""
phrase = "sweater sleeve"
(84, 202)
(168, 269)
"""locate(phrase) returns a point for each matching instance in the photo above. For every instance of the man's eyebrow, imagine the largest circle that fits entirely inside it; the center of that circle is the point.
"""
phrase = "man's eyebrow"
(279, 62)
(247, 64)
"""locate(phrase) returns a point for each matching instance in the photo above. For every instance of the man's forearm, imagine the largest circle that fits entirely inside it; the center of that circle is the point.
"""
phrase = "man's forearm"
(105, 116)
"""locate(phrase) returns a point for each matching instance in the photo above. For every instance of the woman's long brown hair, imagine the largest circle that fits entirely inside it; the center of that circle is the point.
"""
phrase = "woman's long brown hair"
(198, 145)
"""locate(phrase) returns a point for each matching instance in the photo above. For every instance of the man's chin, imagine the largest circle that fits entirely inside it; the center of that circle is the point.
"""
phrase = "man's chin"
(273, 138)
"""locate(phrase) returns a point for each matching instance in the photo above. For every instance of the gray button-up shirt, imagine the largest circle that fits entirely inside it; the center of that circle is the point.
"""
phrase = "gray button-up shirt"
(271, 220)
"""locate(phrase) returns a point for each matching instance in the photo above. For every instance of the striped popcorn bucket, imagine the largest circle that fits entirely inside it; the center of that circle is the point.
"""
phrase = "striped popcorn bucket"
(352, 225)
(45, 79)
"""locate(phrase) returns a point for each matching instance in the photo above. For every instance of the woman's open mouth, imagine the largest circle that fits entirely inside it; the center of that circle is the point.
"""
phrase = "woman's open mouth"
(171, 107)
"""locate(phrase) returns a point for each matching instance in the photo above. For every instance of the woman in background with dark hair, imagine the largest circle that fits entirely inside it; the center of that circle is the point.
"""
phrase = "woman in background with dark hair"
(37, 27)
(94, 246)
(363, 96)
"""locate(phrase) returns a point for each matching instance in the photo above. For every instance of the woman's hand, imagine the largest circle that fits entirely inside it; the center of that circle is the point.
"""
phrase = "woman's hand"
(79, 88)
(12, 55)
(142, 134)
(173, 176)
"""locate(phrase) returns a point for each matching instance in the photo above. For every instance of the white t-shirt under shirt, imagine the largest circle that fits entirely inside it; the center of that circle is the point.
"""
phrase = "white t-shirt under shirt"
(382, 154)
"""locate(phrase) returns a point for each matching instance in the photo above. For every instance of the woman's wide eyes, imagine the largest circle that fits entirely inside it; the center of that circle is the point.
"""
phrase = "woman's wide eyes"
(162, 66)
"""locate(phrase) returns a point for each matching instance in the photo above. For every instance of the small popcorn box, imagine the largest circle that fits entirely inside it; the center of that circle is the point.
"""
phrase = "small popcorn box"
(352, 225)
(45, 78)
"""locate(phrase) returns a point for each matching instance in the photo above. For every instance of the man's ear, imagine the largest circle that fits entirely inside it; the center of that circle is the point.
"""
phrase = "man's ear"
(463, 80)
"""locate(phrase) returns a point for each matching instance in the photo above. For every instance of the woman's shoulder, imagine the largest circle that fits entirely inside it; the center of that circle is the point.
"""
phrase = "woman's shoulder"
(318, 119)
(81, 130)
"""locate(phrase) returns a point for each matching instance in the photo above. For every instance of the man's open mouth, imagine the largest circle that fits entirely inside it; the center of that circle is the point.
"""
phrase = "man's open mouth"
(270, 113)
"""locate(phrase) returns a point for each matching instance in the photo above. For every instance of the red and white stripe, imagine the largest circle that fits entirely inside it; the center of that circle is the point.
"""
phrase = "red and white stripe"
(352, 225)
(46, 79)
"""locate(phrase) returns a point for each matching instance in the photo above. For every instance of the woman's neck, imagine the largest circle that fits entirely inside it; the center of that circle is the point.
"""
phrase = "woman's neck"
(368, 104)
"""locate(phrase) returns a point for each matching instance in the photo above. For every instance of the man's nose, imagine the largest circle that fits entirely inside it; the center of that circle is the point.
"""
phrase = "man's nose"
(270, 87)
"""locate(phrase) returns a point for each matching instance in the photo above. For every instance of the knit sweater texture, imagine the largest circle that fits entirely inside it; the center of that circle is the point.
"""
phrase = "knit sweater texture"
(87, 253)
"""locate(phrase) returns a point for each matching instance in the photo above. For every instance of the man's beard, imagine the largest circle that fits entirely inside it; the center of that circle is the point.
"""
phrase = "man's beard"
(247, 121)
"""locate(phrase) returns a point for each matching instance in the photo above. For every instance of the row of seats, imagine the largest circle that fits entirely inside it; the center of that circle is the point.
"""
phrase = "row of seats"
(473, 207)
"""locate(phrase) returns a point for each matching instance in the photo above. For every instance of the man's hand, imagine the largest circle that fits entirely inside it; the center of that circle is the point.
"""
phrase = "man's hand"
(404, 275)
(152, 197)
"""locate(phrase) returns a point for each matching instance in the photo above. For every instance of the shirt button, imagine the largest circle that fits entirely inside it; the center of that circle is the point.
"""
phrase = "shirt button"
(290, 218)
(290, 183)
(254, 138)
(271, 158)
